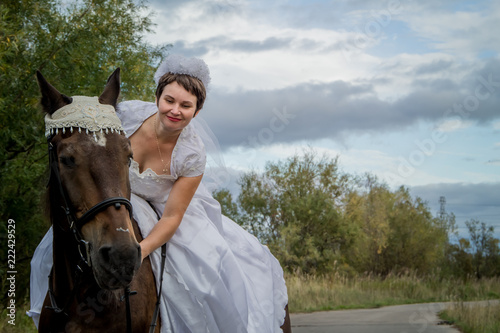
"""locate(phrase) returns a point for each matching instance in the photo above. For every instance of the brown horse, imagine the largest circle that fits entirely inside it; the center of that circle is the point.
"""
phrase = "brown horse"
(94, 260)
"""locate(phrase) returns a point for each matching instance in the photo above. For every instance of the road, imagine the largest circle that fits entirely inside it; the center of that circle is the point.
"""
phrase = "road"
(413, 318)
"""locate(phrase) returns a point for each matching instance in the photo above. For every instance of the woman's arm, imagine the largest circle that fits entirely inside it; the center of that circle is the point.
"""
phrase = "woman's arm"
(178, 200)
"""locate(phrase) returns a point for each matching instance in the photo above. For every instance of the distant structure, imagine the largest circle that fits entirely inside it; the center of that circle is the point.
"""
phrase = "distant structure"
(442, 209)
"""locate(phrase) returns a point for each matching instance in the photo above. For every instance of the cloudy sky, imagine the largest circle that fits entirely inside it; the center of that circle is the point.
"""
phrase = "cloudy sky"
(406, 90)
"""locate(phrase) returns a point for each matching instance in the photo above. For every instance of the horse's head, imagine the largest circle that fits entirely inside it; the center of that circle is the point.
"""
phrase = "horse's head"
(92, 158)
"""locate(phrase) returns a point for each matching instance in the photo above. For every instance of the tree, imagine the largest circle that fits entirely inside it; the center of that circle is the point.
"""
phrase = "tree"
(484, 248)
(395, 231)
(416, 241)
(477, 256)
(294, 208)
(228, 207)
(459, 261)
(367, 207)
(311, 215)
(76, 47)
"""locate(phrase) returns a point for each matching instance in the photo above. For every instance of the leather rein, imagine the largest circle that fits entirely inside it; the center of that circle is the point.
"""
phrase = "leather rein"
(75, 225)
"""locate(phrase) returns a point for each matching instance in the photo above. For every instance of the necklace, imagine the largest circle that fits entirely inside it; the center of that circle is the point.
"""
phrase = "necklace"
(165, 165)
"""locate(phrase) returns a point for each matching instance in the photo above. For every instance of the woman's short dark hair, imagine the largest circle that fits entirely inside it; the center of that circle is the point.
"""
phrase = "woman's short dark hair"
(190, 83)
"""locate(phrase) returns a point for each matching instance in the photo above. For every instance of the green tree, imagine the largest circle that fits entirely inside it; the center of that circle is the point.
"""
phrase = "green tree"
(368, 207)
(416, 239)
(395, 231)
(459, 259)
(228, 207)
(76, 47)
(484, 248)
(294, 208)
(477, 256)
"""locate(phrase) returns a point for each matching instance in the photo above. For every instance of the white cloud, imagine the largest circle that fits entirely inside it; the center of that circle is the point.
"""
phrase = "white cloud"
(312, 54)
(457, 32)
(452, 125)
(220, 29)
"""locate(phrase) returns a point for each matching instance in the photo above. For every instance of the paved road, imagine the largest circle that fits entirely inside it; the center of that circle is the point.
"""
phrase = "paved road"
(413, 318)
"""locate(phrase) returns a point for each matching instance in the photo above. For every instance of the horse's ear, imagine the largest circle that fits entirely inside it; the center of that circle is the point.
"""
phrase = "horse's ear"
(52, 100)
(112, 89)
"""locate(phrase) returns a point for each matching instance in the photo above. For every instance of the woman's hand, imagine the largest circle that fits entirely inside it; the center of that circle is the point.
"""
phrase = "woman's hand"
(178, 200)
(144, 253)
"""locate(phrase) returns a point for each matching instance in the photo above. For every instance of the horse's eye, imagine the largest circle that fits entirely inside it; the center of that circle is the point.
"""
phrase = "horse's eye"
(130, 160)
(68, 161)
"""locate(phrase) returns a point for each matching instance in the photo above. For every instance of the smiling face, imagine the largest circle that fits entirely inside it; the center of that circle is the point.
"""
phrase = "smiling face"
(176, 106)
(191, 84)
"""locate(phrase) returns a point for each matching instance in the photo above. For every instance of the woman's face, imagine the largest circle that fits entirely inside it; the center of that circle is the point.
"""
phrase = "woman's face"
(176, 106)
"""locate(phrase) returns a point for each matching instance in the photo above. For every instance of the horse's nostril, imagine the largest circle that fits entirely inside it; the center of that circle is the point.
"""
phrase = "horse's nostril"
(104, 252)
(121, 256)
(115, 265)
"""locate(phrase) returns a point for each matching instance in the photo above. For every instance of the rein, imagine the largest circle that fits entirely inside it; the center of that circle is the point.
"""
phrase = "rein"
(163, 258)
(128, 293)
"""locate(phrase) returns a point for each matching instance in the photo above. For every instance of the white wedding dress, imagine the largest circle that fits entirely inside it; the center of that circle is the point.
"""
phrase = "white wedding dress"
(217, 277)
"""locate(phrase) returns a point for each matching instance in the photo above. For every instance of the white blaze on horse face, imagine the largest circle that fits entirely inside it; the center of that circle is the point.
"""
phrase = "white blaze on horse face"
(100, 139)
(123, 230)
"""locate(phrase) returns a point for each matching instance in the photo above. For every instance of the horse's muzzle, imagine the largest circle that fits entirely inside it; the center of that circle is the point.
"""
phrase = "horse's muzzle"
(115, 266)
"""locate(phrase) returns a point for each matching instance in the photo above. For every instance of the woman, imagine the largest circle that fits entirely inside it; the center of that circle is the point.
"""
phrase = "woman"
(217, 277)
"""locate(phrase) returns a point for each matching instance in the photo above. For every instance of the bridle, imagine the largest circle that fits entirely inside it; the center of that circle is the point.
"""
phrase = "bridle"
(76, 224)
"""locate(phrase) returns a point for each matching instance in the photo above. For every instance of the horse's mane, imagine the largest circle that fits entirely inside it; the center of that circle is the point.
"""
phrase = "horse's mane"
(48, 197)
(52, 207)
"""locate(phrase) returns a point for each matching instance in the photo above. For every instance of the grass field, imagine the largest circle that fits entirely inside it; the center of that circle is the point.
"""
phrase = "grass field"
(312, 293)
(474, 318)
(309, 293)
(23, 323)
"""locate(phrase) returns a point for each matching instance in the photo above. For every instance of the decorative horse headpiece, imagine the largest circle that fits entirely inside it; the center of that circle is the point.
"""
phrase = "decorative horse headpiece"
(84, 112)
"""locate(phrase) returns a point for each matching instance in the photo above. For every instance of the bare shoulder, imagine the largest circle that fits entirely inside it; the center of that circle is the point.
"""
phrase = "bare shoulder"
(144, 131)
(141, 141)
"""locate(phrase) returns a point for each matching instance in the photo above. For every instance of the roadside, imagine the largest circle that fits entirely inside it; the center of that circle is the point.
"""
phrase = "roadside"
(390, 319)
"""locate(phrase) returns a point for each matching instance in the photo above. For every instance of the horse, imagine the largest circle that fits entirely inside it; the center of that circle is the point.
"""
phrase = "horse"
(96, 254)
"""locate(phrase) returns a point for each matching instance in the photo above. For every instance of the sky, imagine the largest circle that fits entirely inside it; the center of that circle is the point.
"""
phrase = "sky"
(405, 90)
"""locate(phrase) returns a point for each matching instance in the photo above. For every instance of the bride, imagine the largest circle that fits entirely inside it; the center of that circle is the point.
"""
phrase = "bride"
(217, 276)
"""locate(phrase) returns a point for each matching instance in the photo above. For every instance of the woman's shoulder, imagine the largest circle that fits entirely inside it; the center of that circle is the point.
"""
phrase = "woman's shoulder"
(133, 113)
(189, 152)
(191, 138)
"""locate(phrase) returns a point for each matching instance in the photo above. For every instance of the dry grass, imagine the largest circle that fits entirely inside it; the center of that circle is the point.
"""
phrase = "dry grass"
(483, 317)
(308, 293)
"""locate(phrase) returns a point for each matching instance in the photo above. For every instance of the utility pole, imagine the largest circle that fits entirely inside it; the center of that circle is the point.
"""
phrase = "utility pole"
(442, 210)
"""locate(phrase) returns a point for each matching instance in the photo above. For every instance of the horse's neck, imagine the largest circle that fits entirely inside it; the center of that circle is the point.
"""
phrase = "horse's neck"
(65, 259)
(64, 249)
(137, 231)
